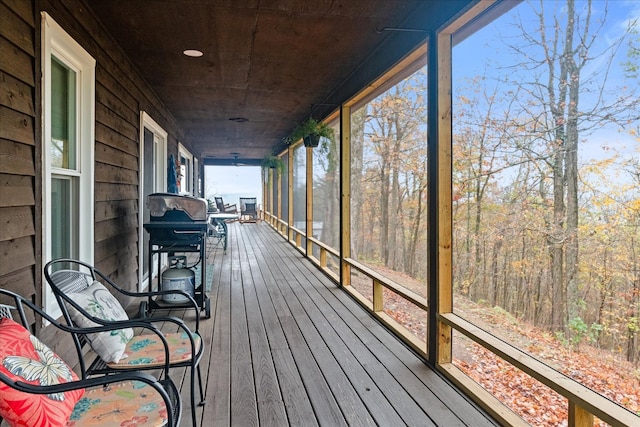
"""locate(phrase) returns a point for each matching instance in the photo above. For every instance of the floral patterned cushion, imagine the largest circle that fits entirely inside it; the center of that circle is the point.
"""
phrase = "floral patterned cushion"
(100, 303)
(148, 350)
(24, 358)
(130, 403)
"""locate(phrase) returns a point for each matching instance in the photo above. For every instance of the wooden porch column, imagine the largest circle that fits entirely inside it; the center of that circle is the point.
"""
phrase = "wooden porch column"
(290, 193)
(439, 341)
(345, 194)
(309, 210)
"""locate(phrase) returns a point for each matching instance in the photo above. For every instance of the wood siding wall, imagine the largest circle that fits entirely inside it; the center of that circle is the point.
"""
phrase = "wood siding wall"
(121, 94)
(17, 147)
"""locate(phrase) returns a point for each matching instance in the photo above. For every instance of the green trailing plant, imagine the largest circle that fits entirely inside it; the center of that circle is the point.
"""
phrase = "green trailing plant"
(272, 162)
(310, 130)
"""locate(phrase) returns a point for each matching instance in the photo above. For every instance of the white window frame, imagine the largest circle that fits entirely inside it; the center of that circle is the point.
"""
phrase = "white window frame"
(160, 183)
(56, 42)
(196, 178)
(186, 182)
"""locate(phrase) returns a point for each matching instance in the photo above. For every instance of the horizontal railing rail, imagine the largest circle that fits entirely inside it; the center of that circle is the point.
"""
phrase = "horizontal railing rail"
(581, 398)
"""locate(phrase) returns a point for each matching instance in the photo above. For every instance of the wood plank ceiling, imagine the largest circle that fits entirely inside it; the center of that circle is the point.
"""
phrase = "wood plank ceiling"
(267, 64)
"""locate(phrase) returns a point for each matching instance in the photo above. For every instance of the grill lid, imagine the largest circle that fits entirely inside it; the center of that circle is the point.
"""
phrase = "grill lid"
(160, 204)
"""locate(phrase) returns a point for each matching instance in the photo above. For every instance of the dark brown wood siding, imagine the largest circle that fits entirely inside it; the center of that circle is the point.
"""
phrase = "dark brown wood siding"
(18, 173)
(121, 94)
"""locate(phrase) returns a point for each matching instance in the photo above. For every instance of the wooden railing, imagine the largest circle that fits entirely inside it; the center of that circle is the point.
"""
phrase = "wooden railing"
(583, 402)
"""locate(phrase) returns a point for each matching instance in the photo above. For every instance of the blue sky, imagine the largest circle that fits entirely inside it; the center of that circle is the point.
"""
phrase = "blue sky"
(488, 52)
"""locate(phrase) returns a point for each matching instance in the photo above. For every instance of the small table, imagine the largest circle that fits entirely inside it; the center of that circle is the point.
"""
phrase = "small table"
(218, 221)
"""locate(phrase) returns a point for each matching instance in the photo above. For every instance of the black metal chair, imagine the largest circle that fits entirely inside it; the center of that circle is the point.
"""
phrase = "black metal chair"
(248, 209)
(68, 278)
(156, 400)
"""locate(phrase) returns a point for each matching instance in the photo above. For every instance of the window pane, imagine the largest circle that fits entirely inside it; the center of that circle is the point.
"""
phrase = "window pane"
(63, 218)
(300, 188)
(63, 116)
(326, 189)
(284, 188)
(389, 180)
(389, 195)
(546, 189)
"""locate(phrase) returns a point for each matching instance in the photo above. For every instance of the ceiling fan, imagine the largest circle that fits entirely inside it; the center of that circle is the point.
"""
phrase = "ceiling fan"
(235, 161)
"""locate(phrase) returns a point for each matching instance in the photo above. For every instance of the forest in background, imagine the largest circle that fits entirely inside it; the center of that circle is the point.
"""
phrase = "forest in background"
(546, 176)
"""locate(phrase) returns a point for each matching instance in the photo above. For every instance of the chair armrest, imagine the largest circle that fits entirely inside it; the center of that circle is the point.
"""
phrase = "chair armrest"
(94, 381)
(166, 389)
(149, 294)
(106, 325)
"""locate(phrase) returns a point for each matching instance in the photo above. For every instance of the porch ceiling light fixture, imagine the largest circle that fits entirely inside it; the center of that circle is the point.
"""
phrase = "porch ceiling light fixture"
(193, 53)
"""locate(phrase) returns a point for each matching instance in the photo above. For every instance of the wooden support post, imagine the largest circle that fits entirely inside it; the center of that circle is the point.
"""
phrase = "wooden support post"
(290, 193)
(443, 296)
(378, 296)
(309, 209)
(345, 194)
(578, 416)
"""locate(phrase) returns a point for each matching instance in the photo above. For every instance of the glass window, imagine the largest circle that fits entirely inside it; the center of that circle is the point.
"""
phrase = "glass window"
(63, 154)
(185, 171)
(326, 189)
(546, 224)
(284, 189)
(68, 155)
(63, 116)
(389, 183)
(300, 188)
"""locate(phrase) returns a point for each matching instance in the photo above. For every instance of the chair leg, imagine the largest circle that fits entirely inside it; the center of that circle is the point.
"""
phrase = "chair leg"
(202, 401)
(193, 393)
(193, 397)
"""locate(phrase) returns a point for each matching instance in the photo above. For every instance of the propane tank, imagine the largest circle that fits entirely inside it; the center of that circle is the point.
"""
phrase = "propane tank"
(178, 277)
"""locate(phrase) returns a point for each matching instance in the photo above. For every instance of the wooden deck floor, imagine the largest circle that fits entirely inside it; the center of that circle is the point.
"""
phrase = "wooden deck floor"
(285, 346)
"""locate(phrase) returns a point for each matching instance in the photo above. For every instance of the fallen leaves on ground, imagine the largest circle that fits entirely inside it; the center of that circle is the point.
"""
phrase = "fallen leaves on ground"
(602, 371)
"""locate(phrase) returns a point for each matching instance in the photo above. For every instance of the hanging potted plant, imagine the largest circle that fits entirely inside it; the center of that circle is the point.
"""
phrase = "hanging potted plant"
(310, 132)
(272, 162)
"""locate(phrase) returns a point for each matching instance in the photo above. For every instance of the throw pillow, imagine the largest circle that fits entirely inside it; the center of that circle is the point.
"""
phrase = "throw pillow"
(97, 301)
(25, 358)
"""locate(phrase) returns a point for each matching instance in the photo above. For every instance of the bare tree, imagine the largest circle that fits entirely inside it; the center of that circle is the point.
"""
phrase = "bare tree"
(560, 83)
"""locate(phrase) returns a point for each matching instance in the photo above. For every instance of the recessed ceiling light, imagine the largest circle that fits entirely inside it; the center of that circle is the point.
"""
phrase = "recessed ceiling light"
(239, 119)
(193, 53)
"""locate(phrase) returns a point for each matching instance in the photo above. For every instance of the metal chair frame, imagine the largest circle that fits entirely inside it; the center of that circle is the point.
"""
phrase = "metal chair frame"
(163, 386)
(66, 275)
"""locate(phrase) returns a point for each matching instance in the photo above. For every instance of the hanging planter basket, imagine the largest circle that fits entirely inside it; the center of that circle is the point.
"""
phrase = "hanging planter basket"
(310, 132)
(272, 162)
(311, 140)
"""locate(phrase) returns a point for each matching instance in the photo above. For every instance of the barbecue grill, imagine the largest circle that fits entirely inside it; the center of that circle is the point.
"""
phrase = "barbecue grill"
(178, 224)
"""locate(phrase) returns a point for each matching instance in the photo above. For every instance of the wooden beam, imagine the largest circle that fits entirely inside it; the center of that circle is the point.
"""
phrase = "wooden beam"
(345, 194)
(444, 295)
(309, 199)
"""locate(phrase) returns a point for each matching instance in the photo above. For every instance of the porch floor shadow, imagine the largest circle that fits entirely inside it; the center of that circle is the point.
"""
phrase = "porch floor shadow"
(285, 346)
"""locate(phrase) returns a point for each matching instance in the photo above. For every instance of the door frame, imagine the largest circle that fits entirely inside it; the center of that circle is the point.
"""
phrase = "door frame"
(160, 163)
